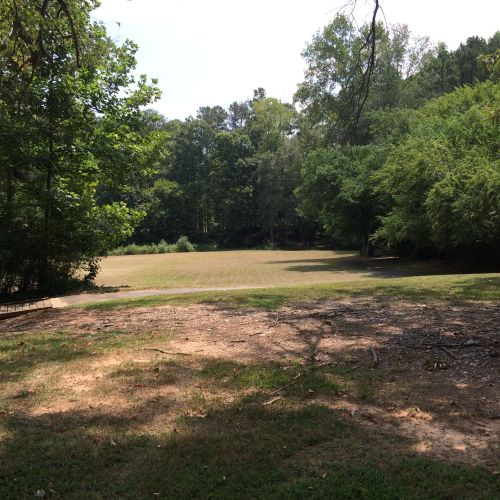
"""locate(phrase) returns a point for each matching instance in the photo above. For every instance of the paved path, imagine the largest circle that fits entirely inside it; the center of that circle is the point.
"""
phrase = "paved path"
(83, 298)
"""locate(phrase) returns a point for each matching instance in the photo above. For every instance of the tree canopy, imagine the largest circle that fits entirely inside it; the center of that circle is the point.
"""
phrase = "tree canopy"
(74, 127)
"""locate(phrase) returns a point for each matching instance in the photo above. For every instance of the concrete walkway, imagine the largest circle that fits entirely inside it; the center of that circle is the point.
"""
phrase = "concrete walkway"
(84, 298)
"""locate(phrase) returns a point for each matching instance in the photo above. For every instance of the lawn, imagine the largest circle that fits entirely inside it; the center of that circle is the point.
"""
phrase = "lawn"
(455, 287)
(258, 394)
(249, 268)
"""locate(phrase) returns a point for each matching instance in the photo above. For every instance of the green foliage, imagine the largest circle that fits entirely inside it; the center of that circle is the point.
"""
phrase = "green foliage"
(184, 245)
(181, 245)
(337, 188)
(330, 93)
(69, 130)
(443, 180)
(228, 178)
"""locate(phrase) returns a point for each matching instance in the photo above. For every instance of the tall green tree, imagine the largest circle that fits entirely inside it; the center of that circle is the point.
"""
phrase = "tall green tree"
(337, 189)
(335, 79)
(74, 127)
(443, 180)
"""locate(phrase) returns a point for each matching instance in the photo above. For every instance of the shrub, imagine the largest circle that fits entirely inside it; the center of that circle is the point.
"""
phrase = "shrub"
(184, 245)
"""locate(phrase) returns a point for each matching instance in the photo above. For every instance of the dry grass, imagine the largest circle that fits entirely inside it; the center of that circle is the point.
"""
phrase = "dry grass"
(248, 268)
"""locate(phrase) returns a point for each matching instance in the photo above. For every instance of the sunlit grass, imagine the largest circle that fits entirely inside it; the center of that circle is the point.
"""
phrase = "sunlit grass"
(439, 287)
(253, 268)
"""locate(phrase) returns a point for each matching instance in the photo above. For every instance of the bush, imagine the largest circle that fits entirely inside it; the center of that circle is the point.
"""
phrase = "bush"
(182, 245)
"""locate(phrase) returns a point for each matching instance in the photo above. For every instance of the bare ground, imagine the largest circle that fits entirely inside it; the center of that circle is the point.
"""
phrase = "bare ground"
(436, 380)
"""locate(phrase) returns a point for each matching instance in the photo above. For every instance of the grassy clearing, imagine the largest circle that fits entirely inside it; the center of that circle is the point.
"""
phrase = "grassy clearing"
(439, 287)
(251, 268)
(216, 439)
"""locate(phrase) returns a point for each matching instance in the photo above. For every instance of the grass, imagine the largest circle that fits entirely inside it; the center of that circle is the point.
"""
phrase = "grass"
(252, 268)
(91, 414)
(438, 287)
(232, 446)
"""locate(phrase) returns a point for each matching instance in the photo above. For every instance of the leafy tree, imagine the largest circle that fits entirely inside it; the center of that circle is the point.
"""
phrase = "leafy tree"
(331, 91)
(215, 116)
(443, 180)
(337, 189)
(239, 113)
(70, 131)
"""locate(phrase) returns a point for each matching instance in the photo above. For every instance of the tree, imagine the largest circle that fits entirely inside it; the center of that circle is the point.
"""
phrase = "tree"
(443, 180)
(271, 128)
(337, 189)
(334, 94)
(71, 131)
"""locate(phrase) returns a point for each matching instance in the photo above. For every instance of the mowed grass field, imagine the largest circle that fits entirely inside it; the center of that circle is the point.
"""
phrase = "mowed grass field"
(262, 268)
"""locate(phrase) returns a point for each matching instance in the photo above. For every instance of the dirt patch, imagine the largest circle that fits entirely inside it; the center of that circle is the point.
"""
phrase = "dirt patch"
(436, 379)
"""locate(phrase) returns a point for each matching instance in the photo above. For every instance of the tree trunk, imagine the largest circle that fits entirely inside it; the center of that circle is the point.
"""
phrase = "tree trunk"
(366, 248)
(44, 258)
(9, 195)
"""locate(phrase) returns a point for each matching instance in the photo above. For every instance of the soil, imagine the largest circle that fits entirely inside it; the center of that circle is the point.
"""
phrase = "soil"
(437, 369)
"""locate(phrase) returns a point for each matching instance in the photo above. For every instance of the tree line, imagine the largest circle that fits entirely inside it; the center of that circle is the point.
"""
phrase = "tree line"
(411, 164)
(416, 169)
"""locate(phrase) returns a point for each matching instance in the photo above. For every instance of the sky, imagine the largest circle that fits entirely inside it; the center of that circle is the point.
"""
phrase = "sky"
(214, 52)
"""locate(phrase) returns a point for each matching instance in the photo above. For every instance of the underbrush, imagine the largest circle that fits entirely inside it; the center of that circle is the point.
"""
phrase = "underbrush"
(181, 245)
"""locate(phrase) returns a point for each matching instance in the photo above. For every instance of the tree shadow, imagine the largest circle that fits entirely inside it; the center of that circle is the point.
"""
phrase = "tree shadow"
(240, 450)
(24, 356)
(382, 267)
(297, 447)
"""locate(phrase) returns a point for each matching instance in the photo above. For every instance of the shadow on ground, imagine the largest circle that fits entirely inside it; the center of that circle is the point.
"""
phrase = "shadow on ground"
(232, 453)
(381, 267)
(214, 437)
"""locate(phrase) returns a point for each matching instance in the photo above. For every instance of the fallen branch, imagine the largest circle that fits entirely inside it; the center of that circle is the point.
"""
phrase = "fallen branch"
(167, 352)
(448, 352)
(375, 358)
(256, 333)
(272, 400)
(294, 381)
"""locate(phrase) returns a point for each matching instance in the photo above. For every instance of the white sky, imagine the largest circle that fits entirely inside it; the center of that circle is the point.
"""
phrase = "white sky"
(209, 52)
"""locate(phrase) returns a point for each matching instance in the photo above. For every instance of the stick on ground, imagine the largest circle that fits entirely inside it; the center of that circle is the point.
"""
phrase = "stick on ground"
(294, 381)
(167, 352)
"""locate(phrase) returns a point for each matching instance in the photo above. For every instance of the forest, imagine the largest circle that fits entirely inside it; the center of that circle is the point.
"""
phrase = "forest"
(391, 145)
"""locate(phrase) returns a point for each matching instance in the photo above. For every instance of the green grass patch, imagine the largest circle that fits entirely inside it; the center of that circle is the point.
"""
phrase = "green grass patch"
(21, 355)
(249, 452)
(152, 445)
(440, 287)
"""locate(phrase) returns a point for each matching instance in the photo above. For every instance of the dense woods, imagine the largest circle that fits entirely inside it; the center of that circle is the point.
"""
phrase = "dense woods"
(86, 166)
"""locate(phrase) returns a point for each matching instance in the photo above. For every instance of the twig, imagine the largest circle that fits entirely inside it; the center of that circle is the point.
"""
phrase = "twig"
(167, 352)
(275, 321)
(448, 352)
(239, 340)
(375, 358)
(294, 381)
(272, 400)
(256, 333)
